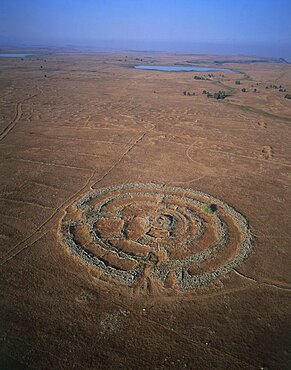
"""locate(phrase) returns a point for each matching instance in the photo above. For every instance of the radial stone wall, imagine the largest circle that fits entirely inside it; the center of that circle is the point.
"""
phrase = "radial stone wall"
(182, 237)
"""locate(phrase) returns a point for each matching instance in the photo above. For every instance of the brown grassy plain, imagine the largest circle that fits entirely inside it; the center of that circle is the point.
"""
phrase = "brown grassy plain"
(94, 122)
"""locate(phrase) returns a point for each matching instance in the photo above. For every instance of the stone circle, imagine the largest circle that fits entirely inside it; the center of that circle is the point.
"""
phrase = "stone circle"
(183, 238)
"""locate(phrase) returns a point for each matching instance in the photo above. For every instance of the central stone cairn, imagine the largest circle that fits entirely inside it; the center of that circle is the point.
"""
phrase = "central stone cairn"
(182, 237)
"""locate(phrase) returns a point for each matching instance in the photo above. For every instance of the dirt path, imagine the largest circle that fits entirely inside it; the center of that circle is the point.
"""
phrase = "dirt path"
(13, 123)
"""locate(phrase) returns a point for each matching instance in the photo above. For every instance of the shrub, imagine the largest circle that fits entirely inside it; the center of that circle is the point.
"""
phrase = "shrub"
(207, 208)
(220, 95)
(243, 90)
(217, 95)
(199, 78)
(287, 96)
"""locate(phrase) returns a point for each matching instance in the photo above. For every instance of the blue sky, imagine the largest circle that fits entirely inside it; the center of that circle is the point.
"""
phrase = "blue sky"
(234, 26)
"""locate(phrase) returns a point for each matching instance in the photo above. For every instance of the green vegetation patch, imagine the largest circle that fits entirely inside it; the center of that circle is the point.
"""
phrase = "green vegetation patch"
(217, 95)
(207, 208)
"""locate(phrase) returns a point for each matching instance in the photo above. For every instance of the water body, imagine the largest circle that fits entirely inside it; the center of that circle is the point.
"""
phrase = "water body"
(13, 55)
(183, 69)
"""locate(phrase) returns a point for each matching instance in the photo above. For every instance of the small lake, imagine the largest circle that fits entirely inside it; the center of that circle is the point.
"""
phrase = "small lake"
(183, 69)
(13, 55)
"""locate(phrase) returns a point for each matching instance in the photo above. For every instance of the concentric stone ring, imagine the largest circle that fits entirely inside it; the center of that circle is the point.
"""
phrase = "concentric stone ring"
(182, 238)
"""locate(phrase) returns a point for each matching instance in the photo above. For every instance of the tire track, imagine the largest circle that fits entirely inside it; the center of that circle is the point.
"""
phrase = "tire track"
(120, 159)
(271, 283)
(14, 251)
(15, 120)
(35, 235)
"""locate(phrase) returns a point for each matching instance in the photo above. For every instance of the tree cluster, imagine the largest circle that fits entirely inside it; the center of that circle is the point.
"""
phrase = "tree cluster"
(272, 86)
(203, 78)
(217, 95)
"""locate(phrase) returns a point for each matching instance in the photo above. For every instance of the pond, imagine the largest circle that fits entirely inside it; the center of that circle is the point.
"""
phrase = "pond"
(13, 55)
(183, 69)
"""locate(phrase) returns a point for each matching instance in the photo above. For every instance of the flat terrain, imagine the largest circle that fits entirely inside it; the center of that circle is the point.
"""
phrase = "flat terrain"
(143, 227)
